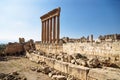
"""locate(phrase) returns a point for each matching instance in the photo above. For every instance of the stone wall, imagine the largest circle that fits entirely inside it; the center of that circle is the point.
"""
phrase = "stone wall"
(103, 74)
(74, 70)
(49, 48)
(19, 48)
(80, 72)
(13, 48)
(106, 49)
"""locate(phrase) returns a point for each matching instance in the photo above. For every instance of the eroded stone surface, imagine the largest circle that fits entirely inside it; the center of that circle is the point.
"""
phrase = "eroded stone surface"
(78, 71)
(59, 77)
(104, 74)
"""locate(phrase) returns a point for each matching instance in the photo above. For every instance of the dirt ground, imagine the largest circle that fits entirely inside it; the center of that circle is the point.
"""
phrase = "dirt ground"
(22, 65)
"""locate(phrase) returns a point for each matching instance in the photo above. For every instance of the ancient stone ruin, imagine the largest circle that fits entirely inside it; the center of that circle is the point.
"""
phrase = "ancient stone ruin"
(110, 37)
(51, 26)
(19, 48)
(68, 58)
(83, 58)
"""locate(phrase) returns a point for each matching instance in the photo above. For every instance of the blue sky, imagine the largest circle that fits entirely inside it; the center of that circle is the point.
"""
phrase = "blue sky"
(21, 18)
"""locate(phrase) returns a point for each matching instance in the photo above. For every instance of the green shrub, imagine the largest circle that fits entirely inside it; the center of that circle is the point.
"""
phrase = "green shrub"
(2, 47)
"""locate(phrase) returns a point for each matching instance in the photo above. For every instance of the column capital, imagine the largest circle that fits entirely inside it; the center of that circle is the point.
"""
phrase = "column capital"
(50, 26)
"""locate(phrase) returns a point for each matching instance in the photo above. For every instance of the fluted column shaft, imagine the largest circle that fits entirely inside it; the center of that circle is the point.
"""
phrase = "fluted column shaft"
(51, 26)
(50, 30)
(43, 31)
(58, 28)
(47, 30)
(54, 29)
(42, 34)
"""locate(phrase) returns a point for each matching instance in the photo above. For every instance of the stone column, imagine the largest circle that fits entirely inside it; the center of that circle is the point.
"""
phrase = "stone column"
(50, 30)
(42, 33)
(58, 28)
(51, 26)
(91, 38)
(47, 30)
(54, 30)
(115, 37)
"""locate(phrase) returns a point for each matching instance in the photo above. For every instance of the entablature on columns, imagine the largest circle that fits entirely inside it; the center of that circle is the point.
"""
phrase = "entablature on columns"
(55, 12)
(50, 26)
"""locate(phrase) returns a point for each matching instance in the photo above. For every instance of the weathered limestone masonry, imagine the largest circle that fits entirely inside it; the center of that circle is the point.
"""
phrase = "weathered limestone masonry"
(77, 71)
(104, 49)
(50, 32)
(51, 26)
(110, 37)
(80, 72)
(19, 48)
(21, 40)
(49, 48)
(50, 36)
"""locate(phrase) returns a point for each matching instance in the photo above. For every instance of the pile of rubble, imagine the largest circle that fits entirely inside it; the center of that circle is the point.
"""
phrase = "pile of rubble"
(68, 65)
(12, 76)
(79, 59)
(52, 73)
(3, 58)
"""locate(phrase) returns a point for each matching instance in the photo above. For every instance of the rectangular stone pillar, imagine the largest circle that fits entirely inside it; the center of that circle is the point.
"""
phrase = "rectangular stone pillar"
(54, 30)
(50, 30)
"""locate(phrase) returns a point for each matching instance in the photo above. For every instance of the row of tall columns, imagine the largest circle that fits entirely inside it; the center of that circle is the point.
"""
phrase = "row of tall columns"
(51, 30)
